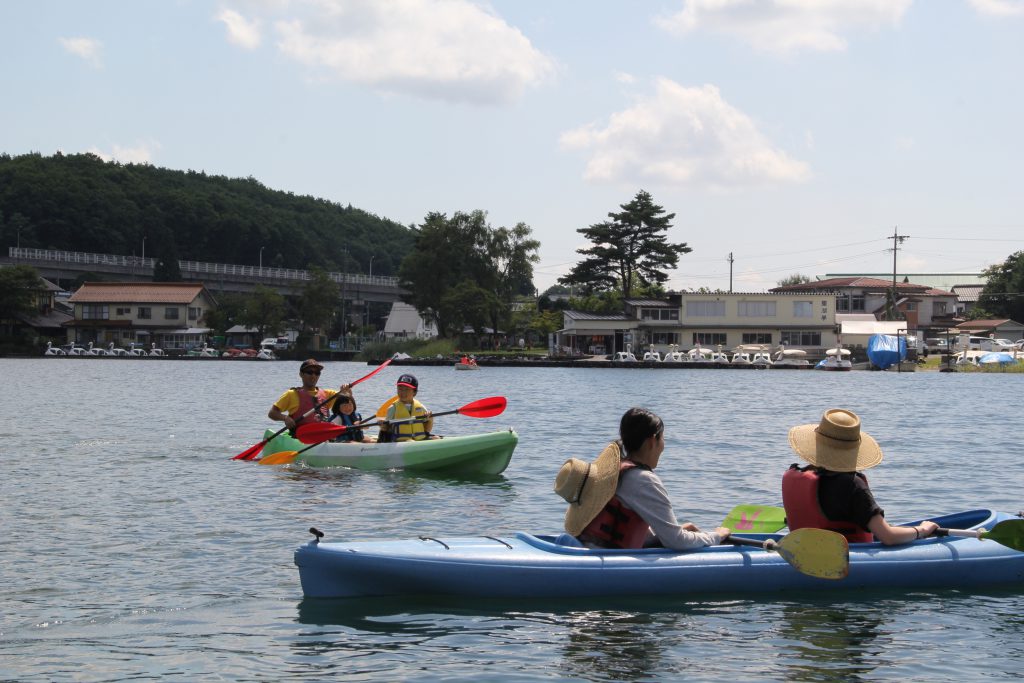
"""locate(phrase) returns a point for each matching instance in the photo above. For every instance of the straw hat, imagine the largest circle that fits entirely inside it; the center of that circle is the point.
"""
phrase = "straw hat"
(836, 443)
(587, 487)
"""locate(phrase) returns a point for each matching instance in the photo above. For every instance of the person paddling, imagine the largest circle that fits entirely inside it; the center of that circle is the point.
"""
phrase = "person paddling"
(411, 419)
(832, 492)
(297, 401)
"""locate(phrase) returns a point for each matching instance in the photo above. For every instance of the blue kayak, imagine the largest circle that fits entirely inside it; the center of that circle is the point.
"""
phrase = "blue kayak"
(528, 566)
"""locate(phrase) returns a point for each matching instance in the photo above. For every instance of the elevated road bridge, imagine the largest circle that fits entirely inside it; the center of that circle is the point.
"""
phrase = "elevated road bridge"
(219, 278)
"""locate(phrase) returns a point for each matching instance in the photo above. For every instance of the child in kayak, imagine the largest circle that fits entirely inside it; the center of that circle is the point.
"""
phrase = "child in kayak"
(407, 419)
(345, 413)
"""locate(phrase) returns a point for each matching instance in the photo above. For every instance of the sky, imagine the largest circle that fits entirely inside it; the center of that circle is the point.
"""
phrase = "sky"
(790, 136)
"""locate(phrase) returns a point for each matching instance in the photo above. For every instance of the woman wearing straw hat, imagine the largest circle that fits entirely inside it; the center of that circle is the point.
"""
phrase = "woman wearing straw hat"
(618, 501)
(831, 493)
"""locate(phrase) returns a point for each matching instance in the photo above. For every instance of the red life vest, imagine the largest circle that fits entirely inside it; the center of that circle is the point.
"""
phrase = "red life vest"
(306, 403)
(800, 498)
(616, 526)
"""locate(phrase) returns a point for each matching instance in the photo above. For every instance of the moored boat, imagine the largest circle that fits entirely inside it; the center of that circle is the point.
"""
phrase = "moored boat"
(528, 566)
(487, 453)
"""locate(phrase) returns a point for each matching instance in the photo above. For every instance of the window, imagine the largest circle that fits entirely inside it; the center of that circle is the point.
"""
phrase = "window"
(842, 304)
(193, 312)
(171, 313)
(755, 309)
(659, 314)
(803, 309)
(708, 338)
(664, 338)
(857, 302)
(124, 311)
(95, 312)
(911, 306)
(757, 337)
(938, 308)
(705, 309)
(801, 338)
(145, 312)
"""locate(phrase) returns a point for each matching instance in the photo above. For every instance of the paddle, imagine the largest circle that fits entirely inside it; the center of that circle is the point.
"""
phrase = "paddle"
(318, 432)
(1009, 532)
(383, 410)
(253, 451)
(814, 552)
(757, 519)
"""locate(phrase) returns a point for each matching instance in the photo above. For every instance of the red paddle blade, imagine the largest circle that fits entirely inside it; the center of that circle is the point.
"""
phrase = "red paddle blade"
(251, 452)
(379, 368)
(485, 407)
(315, 432)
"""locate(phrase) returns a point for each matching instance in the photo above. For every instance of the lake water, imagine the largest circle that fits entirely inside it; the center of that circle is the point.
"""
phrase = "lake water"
(133, 547)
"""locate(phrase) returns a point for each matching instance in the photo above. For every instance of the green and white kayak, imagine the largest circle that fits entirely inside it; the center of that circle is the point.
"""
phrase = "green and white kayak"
(475, 454)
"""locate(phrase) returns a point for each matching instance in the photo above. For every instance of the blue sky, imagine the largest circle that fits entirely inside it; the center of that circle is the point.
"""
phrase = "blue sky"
(796, 135)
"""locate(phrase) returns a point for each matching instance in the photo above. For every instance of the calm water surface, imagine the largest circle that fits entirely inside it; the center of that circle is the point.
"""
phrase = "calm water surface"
(132, 547)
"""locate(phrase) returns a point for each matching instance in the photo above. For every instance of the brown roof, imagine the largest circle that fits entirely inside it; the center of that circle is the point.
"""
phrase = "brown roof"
(137, 292)
(858, 282)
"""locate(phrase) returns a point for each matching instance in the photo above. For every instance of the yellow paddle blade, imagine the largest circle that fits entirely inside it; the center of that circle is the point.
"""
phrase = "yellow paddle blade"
(816, 552)
(279, 458)
(383, 410)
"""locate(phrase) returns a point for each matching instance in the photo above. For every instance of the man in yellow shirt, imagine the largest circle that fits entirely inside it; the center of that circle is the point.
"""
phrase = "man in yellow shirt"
(293, 405)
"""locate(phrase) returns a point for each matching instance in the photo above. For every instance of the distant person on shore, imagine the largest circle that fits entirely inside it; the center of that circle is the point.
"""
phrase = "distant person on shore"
(297, 401)
(619, 502)
(344, 412)
(831, 493)
(407, 419)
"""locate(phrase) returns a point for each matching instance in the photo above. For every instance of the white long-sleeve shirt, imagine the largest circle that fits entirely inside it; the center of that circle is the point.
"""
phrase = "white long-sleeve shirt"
(642, 491)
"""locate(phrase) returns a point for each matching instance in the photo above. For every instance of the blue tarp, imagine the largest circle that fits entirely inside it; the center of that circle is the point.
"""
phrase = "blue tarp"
(997, 357)
(885, 350)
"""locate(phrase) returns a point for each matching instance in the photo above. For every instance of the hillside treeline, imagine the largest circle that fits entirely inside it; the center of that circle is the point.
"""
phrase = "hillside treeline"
(81, 203)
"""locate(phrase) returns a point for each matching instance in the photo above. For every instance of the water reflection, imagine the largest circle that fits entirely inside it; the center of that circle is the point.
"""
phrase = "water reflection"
(826, 642)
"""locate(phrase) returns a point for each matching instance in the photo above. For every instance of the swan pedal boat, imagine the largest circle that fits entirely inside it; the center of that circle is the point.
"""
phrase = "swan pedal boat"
(487, 453)
(528, 566)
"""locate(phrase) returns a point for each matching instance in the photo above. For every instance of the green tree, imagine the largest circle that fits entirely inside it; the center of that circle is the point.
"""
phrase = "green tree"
(319, 301)
(19, 287)
(452, 251)
(794, 279)
(1003, 294)
(630, 248)
(264, 310)
(467, 304)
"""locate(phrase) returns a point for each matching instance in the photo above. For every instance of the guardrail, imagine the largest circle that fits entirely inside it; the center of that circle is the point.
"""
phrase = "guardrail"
(225, 269)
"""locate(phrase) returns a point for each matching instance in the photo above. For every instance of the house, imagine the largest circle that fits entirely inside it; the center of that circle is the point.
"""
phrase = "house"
(689, 319)
(165, 314)
(926, 311)
(46, 319)
(1000, 328)
(405, 322)
(967, 297)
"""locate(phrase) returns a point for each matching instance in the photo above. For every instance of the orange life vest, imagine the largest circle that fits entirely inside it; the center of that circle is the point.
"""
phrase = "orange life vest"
(616, 526)
(800, 498)
(306, 403)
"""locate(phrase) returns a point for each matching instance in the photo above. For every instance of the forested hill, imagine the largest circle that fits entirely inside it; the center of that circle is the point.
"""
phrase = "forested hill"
(82, 203)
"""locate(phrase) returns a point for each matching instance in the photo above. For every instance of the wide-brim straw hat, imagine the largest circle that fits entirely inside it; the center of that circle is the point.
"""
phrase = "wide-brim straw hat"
(588, 487)
(836, 443)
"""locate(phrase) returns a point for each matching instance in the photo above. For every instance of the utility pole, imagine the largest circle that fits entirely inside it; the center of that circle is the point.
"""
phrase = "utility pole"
(897, 239)
(730, 272)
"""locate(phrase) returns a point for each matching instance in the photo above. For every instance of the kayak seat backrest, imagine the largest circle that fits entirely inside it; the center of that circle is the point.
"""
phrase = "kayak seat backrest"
(568, 540)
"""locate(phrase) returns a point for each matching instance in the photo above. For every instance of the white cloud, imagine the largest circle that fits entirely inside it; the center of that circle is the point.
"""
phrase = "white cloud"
(999, 8)
(787, 26)
(142, 153)
(451, 50)
(87, 48)
(682, 137)
(241, 31)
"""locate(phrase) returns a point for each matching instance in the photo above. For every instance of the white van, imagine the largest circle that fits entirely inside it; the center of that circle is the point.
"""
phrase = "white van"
(970, 343)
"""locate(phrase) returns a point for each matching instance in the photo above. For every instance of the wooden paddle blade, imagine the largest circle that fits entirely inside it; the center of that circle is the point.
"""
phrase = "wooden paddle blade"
(1009, 532)
(485, 407)
(816, 552)
(317, 432)
(755, 519)
(279, 458)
